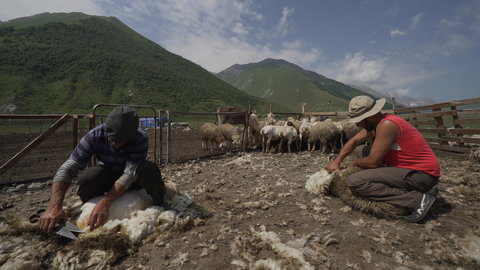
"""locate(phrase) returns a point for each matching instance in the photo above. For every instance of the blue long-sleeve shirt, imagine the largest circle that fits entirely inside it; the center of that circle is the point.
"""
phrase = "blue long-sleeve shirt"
(95, 142)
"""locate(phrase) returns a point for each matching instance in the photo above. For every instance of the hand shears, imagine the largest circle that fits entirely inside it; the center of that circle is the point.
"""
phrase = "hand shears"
(63, 228)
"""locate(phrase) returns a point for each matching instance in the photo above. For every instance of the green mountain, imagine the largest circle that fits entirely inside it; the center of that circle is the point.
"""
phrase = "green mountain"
(67, 62)
(287, 84)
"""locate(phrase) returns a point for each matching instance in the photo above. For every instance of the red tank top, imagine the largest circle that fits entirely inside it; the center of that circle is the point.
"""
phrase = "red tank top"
(411, 151)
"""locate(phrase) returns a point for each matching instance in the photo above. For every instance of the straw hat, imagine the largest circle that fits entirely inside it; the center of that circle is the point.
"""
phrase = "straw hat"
(361, 107)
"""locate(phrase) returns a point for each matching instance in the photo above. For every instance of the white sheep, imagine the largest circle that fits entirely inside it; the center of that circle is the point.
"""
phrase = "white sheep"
(304, 131)
(231, 134)
(270, 133)
(278, 133)
(254, 127)
(270, 119)
(326, 133)
(213, 135)
(290, 134)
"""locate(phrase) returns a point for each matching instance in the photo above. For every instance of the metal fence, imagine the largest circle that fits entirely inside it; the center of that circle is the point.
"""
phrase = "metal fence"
(34, 146)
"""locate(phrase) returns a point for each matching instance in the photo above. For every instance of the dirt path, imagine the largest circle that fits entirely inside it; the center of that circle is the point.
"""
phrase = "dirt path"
(242, 201)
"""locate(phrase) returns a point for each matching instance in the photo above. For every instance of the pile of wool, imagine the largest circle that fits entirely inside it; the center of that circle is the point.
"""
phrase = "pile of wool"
(262, 249)
(285, 256)
(322, 182)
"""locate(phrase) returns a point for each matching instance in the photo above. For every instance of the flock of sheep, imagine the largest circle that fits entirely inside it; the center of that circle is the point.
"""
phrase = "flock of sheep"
(304, 134)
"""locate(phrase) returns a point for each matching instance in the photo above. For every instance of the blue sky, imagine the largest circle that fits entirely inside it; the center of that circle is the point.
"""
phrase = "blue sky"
(419, 48)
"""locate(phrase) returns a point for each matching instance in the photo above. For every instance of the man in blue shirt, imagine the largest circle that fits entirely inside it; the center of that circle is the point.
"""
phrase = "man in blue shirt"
(121, 149)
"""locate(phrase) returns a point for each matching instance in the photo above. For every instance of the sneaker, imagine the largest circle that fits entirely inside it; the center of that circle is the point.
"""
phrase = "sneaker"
(421, 212)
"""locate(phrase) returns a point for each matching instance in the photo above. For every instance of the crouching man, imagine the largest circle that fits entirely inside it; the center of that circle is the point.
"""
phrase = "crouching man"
(400, 167)
(120, 147)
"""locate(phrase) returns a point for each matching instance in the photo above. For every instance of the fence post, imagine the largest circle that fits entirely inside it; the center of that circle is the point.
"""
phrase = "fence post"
(169, 137)
(75, 130)
(456, 125)
(160, 137)
(439, 124)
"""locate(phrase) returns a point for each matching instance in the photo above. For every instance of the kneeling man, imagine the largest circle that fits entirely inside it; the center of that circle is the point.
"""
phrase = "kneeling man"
(400, 167)
(121, 148)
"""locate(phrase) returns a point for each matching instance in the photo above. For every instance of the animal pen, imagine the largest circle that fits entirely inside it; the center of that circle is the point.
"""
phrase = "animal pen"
(33, 146)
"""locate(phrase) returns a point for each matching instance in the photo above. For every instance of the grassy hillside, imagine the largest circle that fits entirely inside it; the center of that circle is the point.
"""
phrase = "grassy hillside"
(67, 62)
(287, 84)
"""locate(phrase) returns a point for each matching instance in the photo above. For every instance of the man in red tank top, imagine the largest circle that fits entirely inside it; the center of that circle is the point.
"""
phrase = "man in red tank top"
(400, 168)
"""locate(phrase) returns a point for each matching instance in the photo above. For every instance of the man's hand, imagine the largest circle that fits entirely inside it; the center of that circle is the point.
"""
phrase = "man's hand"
(50, 218)
(333, 166)
(98, 216)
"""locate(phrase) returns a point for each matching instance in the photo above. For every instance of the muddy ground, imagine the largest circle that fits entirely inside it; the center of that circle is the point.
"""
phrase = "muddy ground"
(239, 198)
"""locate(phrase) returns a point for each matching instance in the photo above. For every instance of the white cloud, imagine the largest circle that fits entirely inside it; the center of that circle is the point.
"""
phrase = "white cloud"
(416, 20)
(395, 33)
(286, 24)
(400, 92)
(357, 69)
(22, 8)
(413, 25)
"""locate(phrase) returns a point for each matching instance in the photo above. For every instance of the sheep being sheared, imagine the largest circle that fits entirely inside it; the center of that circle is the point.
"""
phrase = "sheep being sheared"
(322, 182)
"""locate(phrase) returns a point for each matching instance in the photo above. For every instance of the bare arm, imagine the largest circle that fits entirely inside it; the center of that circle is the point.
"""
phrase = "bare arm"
(348, 148)
(386, 135)
(54, 211)
(100, 213)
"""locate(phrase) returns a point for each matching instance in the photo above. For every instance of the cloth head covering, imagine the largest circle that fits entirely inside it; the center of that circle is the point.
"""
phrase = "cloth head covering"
(122, 124)
(362, 107)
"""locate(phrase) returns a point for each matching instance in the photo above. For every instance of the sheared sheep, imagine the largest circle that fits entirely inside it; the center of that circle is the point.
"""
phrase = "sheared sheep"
(278, 133)
(304, 131)
(326, 133)
(323, 182)
(270, 133)
(213, 135)
(290, 134)
(231, 135)
(255, 138)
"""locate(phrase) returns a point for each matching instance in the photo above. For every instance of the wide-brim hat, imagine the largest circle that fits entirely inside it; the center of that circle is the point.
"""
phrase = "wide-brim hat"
(362, 107)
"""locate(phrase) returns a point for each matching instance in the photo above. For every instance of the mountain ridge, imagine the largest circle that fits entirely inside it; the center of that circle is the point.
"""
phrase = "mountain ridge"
(290, 85)
(64, 62)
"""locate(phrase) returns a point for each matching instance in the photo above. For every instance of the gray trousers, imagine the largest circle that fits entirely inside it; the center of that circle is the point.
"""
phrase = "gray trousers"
(95, 181)
(398, 186)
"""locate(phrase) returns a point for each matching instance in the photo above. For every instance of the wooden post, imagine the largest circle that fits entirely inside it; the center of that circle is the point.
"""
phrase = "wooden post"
(456, 125)
(75, 130)
(439, 124)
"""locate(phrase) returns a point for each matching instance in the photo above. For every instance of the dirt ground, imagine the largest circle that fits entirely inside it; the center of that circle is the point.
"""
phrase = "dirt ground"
(241, 198)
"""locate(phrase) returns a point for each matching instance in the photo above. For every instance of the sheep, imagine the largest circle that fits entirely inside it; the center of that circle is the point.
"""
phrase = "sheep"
(322, 182)
(231, 134)
(269, 133)
(290, 134)
(324, 132)
(213, 135)
(270, 119)
(349, 130)
(254, 127)
(304, 130)
(281, 133)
